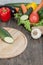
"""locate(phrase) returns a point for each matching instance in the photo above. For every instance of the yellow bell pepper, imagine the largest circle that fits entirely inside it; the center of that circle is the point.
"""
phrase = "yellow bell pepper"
(28, 6)
(33, 5)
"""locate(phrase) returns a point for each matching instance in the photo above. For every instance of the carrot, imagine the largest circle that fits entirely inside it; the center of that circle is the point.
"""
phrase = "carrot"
(39, 7)
(23, 7)
(17, 9)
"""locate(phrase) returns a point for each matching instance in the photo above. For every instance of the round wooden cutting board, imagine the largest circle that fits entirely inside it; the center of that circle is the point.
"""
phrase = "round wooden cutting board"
(16, 48)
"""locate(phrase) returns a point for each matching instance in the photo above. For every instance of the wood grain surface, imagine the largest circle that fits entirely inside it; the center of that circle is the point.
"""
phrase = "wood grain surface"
(33, 55)
(17, 47)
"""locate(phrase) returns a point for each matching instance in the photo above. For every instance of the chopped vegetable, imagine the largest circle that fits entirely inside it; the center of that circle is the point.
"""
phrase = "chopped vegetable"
(36, 33)
(5, 14)
(23, 7)
(17, 9)
(24, 17)
(5, 36)
(34, 18)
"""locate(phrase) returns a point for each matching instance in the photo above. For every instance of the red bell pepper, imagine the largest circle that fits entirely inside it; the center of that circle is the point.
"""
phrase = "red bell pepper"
(5, 14)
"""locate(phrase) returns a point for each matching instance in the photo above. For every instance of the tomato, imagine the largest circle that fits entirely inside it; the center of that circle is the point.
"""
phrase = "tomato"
(34, 17)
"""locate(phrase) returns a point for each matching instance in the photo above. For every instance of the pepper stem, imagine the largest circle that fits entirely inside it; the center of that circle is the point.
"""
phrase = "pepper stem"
(4, 10)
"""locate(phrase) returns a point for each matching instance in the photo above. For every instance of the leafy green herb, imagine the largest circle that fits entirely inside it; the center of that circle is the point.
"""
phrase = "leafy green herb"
(40, 23)
(17, 15)
(27, 25)
(21, 22)
(40, 12)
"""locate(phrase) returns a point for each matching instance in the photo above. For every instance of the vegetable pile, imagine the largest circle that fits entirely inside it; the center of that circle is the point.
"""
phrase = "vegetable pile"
(29, 15)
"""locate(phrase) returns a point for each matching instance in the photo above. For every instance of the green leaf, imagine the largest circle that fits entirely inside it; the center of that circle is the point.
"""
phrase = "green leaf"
(40, 23)
(17, 15)
(27, 25)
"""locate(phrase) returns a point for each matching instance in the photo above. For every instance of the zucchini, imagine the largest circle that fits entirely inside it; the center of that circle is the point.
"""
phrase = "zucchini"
(15, 4)
(29, 11)
(24, 17)
(5, 35)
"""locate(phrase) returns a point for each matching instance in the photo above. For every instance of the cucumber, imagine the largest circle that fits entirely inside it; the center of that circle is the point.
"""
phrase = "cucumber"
(15, 4)
(24, 17)
(5, 35)
(29, 11)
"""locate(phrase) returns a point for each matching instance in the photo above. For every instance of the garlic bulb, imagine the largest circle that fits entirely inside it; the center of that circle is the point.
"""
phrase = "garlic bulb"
(36, 33)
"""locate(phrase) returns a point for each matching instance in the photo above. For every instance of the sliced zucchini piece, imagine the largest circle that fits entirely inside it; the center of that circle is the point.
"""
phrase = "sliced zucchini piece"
(8, 39)
(24, 17)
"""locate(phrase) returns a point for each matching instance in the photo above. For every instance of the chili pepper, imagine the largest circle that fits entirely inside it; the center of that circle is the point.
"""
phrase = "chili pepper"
(5, 14)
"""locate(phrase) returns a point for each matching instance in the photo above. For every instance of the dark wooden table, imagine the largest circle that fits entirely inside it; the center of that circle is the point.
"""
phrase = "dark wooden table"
(33, 55)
